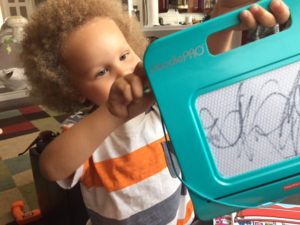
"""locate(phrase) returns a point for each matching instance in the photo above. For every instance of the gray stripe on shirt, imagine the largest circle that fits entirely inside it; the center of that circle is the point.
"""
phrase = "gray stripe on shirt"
(159, 214)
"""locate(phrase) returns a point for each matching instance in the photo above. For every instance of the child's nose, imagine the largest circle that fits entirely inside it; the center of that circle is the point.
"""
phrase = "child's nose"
(123, 70)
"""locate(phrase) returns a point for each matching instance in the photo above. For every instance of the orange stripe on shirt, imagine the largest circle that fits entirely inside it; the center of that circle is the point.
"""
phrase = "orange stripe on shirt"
(121, 172)
(188, 213)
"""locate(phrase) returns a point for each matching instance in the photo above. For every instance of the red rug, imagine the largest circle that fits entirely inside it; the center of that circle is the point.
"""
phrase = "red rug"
(18, 122)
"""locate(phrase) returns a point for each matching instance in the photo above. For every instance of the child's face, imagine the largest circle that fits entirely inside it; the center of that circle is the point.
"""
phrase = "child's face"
(96, 54)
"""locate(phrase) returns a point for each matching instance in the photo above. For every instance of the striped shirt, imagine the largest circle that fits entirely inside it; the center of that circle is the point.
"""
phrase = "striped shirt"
(126, 180)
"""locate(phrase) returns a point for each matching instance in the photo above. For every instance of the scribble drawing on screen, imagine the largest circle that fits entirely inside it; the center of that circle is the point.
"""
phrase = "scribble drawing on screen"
(253, 123)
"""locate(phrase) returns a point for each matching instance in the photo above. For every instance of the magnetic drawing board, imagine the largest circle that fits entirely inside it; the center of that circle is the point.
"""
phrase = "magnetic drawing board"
(233, 118)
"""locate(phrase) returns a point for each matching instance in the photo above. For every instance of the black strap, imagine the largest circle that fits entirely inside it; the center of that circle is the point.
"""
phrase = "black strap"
(30, 146)
(43, 138)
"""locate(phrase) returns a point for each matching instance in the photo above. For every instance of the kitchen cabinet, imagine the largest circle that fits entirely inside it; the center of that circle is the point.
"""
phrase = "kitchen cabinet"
(196, 5)
(163, 6)
(203, 6)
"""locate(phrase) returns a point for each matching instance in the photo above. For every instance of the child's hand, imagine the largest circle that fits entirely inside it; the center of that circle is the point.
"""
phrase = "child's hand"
(255, 15)
(127, 98)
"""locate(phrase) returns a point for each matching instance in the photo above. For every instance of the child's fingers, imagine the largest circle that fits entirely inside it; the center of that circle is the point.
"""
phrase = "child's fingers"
(123, 91)
(127, 97)
(119, 97)
(137, 88)
(247, 21)
(262, 16)
(140, 71)
(257, 15)
(280, 11)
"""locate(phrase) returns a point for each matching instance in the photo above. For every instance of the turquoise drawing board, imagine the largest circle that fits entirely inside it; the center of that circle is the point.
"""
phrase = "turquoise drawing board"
(233, 118)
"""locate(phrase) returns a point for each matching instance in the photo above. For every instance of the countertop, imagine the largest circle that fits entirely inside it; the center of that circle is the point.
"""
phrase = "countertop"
(159, 31)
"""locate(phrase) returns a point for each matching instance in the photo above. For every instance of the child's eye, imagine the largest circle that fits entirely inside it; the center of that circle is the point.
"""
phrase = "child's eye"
(124, 56)
(102, 72)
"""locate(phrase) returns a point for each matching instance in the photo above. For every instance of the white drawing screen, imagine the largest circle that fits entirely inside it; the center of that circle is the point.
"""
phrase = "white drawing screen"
(254, 123)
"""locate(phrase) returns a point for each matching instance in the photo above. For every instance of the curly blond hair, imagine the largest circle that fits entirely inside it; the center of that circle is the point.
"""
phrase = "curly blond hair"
(48, 27)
